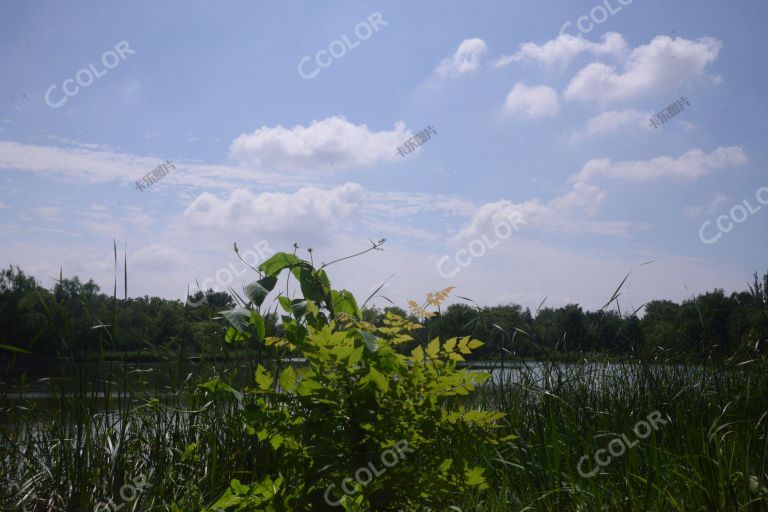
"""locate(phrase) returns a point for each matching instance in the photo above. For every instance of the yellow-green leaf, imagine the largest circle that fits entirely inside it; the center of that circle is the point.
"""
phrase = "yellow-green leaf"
(378, 380)
(288, 379)
(263, 379)
(474, 477)
(473, 344)
(433, 348)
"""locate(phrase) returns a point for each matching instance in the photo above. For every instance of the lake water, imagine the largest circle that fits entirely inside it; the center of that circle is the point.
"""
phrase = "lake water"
(42, 387)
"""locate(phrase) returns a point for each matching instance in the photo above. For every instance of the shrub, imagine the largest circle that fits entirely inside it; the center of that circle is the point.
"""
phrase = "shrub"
(361, 426)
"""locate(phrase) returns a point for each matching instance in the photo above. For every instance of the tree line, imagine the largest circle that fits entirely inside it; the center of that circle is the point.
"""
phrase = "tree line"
(75, 319)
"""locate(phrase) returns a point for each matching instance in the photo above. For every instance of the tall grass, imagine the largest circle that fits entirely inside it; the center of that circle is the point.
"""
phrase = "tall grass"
(108, 422)
(711, 455)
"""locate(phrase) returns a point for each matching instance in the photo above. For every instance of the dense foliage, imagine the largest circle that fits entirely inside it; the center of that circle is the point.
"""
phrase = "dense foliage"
(328, 424)
(380, 415)
(61, 322)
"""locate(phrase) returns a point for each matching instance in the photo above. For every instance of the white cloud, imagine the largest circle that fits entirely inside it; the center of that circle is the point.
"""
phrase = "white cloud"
(100, 166)
(70, 142)
(711, 207)
(400, 204)
(609, 122)
(533, 102)
(565, 48)
(662, 64)
(48, 213)
(94, 166)
(331, 144)
(559, 215)
(465, 60)
(158, 256)
(691, 165)
(306, 214)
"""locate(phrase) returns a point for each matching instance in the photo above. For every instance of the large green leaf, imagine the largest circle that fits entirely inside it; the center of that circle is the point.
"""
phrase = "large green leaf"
(278, 262)
(315, 285)
(257, 321)
(257, 291)
(298, 307)
(344, 302)
(238, 317)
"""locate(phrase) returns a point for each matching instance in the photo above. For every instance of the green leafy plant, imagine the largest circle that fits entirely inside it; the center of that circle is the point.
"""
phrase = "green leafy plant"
(330, 426)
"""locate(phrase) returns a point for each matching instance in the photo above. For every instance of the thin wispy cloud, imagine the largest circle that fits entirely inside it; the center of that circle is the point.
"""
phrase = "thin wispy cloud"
(691, 165)
(611, 121)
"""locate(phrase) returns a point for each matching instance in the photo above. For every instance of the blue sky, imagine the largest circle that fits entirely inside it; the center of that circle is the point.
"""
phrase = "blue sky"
(551, 128)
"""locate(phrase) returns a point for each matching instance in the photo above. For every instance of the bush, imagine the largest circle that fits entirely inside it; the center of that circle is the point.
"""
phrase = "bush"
(362, 426)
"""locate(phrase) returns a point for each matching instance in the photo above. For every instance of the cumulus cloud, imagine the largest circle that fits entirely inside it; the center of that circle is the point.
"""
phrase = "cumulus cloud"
(662, 64)
(565, 48)
(691, 165)
(305, 214)
(465, 60)
(611, 121)
(533, 102)
(331, 144)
